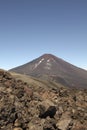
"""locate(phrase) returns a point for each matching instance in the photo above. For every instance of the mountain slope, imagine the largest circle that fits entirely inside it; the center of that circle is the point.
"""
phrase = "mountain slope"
(25, 107)
(51, 67)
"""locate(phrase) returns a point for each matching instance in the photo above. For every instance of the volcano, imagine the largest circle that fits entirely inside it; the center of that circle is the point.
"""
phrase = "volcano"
(50, 67)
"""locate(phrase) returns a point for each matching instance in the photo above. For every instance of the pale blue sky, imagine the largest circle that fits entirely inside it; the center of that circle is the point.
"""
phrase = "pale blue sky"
(30, 28)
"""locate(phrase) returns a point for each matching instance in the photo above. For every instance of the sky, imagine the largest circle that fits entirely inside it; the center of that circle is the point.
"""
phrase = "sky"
(31, 28)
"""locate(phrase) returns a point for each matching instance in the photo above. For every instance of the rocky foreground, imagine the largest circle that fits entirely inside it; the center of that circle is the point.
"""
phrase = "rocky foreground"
(23, 107)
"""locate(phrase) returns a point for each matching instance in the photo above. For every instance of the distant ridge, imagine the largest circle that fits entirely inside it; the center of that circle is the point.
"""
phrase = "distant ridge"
(53, 68)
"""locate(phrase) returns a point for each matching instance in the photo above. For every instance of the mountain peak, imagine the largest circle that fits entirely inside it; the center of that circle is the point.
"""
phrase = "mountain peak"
(47, 55)
(50, 66)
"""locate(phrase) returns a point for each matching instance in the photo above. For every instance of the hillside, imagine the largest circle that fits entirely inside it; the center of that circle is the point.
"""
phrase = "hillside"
(26, 107)
(52, 68)
(36, 82)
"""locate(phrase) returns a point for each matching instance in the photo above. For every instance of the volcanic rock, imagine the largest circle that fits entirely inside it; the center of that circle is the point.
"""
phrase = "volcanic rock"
(21, 110)
(52, 68)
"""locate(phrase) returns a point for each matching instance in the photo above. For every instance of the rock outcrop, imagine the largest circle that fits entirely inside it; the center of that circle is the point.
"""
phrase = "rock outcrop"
(23, 107)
